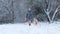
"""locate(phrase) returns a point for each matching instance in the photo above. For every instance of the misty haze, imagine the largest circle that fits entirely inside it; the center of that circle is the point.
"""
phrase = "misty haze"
(29, 16)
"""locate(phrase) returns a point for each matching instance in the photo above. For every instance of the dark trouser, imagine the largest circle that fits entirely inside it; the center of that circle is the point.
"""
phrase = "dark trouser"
(29, 21)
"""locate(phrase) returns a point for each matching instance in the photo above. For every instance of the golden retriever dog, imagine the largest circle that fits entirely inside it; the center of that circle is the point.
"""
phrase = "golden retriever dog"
(35, 21)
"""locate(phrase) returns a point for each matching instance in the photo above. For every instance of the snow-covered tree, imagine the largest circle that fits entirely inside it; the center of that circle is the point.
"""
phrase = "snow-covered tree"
(6, 11)
(49, 9)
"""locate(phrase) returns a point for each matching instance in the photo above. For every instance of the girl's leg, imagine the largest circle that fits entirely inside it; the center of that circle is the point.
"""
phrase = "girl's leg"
(29, 22)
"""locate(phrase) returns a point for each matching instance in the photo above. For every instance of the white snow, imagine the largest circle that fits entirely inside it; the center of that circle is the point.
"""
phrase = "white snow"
(22, 28)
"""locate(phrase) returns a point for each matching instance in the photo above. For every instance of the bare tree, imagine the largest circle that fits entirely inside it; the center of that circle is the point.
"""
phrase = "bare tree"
(8, 12)
(48, 10)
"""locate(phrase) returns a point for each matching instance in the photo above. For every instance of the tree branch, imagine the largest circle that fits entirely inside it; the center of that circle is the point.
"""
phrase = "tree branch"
(55, 12)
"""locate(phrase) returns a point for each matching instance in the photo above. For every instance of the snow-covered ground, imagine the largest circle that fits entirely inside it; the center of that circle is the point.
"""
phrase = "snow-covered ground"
(23, 28)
